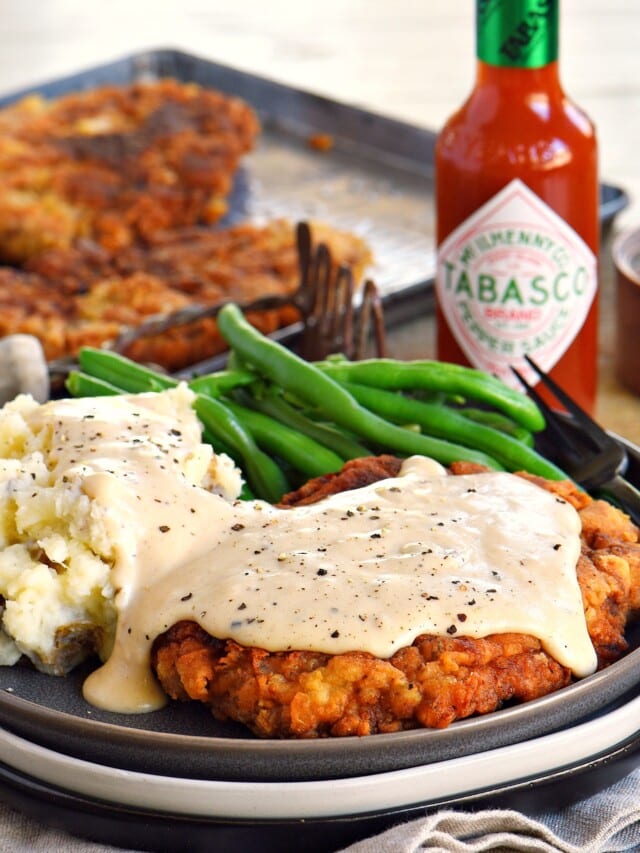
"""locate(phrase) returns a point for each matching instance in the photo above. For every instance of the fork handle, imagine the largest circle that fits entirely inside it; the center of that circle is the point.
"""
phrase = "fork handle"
(623, 493)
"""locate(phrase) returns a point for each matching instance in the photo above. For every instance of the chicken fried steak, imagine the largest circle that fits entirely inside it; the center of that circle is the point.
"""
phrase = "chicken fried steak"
(86, 295)
(107, 201)
(117, 164)
(431, 683)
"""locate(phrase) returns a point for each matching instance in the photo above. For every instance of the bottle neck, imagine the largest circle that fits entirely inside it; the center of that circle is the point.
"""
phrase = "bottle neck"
(544, 79)
(517, 33)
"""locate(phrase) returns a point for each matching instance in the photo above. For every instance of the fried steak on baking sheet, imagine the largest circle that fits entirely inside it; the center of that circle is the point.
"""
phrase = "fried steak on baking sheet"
(107, 202)
(117, 164)
(86, 295)
(431, 683)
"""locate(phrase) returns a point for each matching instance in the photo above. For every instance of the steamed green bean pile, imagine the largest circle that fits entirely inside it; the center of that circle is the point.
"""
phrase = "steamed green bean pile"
(284, 420)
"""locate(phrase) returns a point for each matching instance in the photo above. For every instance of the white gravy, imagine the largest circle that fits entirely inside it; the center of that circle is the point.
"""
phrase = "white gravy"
(369, 569)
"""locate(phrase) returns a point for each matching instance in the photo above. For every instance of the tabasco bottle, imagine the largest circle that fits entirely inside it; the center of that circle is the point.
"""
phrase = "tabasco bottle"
(517, 210)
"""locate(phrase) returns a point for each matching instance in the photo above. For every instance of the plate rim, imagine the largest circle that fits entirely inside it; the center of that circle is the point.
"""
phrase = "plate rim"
(344, 797)
(253, 758)
(128, 747)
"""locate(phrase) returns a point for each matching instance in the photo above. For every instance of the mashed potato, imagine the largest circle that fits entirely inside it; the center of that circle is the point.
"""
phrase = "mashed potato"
(57, 541)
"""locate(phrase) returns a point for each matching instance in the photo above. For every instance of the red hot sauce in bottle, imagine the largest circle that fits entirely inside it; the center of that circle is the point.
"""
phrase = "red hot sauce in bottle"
(517, 210)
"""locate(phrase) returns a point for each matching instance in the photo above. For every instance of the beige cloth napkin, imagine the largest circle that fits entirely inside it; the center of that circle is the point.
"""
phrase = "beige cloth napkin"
(608, 822)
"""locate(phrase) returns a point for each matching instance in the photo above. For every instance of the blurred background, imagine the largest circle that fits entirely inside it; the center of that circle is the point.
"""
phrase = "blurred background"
(402, 58)
(411, 60)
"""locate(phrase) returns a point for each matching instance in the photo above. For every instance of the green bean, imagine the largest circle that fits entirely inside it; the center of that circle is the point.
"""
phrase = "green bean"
(446, 423)
(80, 384)
(274, 405)
(221, 383)
(135, 378)
(311, 384)
(264, 476)
(500, 422)
(391, 375)
(122, 372)
(302, 453)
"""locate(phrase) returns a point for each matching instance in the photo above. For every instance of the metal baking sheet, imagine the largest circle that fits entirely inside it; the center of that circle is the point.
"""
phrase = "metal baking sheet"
(375, 180)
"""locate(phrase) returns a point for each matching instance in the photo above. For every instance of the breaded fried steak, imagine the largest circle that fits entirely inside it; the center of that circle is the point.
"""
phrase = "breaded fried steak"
(86, 295)
(432, 682)
(117, 164)
(108, 202)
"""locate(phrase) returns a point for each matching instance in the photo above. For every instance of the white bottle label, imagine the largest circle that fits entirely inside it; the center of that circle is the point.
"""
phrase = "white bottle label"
(515, 279)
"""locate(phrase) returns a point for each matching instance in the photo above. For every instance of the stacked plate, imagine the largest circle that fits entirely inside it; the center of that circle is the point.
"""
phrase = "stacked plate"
(176, 778)
(137, 780)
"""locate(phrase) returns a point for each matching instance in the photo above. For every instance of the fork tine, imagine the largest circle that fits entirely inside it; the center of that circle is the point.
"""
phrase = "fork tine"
(320, 281)
(303, 245)
(370, 310)
(341, 328)
(591, 428)
(332, 322)
(314, 302)
(592, 457)
(531, 391)
(566, 445)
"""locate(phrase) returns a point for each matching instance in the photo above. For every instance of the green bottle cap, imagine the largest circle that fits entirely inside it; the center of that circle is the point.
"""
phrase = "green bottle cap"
(517, 33)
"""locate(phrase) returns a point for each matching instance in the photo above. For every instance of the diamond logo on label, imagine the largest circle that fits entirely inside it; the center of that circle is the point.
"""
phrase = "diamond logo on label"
(513, 280)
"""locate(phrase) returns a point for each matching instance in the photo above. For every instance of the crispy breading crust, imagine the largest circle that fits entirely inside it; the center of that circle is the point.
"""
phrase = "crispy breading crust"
(107, 198)
(117, 164)
(307, 695)
(86, 295)
(430, 683)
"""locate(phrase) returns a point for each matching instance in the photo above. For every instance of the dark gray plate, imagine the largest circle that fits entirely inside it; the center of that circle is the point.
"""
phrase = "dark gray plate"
(373, 162)
(122, 826)
(185, 740)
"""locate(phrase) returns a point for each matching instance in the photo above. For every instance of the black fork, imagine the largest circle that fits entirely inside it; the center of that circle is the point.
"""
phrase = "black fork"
(332, 321)
(590, 455)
